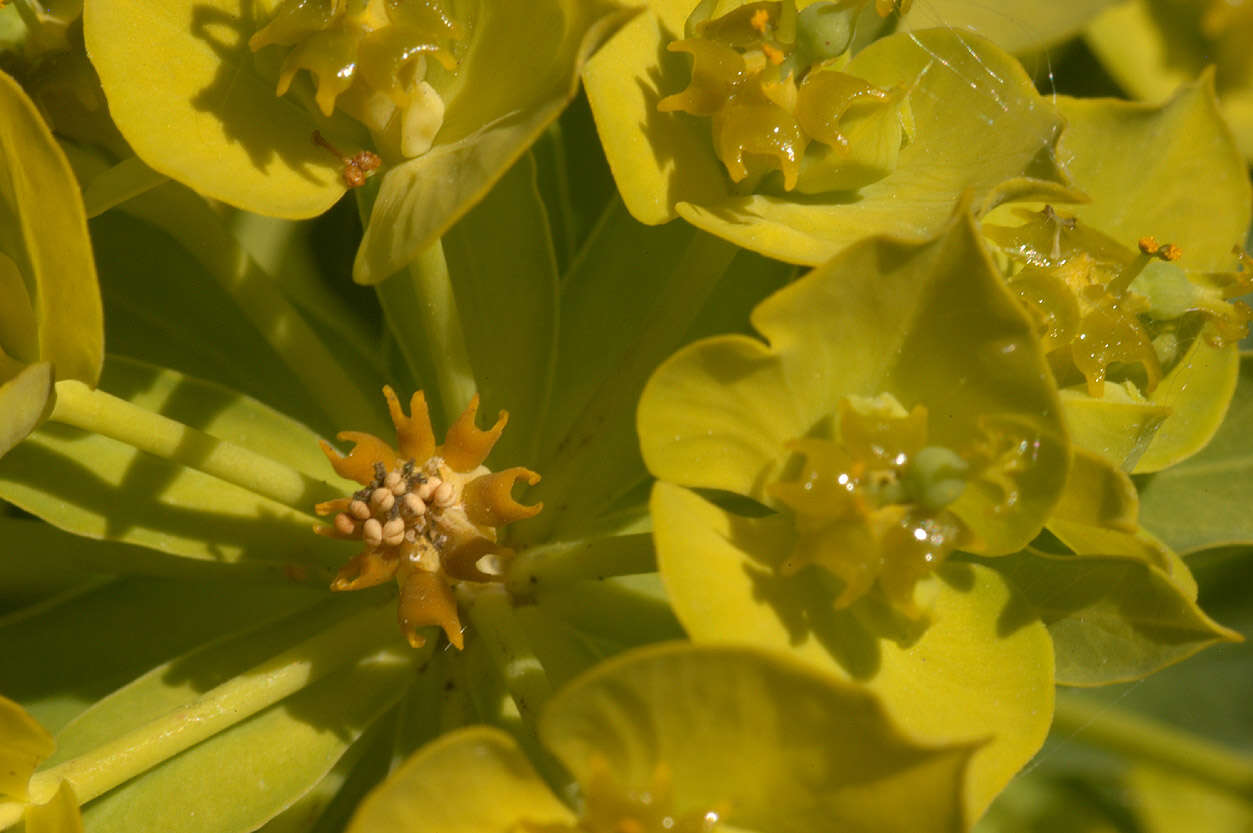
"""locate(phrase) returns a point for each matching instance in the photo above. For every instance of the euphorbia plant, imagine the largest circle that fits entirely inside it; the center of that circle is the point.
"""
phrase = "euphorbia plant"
(810, 550)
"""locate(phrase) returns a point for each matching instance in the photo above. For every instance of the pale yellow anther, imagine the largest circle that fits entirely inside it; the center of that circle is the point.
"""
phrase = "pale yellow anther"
(394, 532)
(414, 505)
(444, 495)
(372, 532)
(359, 510)
(428, 488)
(381, 500)
(344, 525)
(394, 482)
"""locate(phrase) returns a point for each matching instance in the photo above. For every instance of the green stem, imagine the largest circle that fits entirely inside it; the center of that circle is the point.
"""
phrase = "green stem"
(1140, 738)
(490, 609)
(102, 413)
(420, 308)
(358, 638)
(592, 559)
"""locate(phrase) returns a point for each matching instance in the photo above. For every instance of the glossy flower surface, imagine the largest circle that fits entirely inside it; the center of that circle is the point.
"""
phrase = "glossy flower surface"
(206, 113)
(1171, 327)
(861, 370)
(923, 103)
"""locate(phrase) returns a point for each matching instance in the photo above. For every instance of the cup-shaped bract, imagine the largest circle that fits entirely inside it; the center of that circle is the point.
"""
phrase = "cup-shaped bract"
(927, 345)
(907, 127)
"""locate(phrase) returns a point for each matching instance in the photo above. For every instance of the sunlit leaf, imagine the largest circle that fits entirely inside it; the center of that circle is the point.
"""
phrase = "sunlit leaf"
(1195, 190)
(196, 106)
(240, 778)
(679, 722)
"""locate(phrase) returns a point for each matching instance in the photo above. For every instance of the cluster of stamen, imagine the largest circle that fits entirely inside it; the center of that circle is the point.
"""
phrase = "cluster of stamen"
(767, 77)
(872, 506)
(427, 515)
(370, 58)
(1101, 307)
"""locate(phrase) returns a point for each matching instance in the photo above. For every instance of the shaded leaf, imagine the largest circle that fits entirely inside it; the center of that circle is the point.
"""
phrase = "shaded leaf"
(1150, 47)
(24, 401)
(1196, 504)
(56, 668)
(1112, 619)
(504, 275)
(634, 294)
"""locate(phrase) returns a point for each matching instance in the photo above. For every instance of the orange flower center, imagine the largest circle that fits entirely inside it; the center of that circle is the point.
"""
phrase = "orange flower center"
(427, 514)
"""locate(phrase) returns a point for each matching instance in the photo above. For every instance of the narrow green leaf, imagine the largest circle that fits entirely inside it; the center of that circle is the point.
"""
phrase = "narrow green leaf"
(72, 478)
(56, 668)
(114, 186)
(633, 296)
(504, 274)
(164, 308)
(239, 779)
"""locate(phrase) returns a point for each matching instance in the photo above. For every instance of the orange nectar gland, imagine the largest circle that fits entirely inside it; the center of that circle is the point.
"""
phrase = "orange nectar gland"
(427, 514)
(357, 169)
